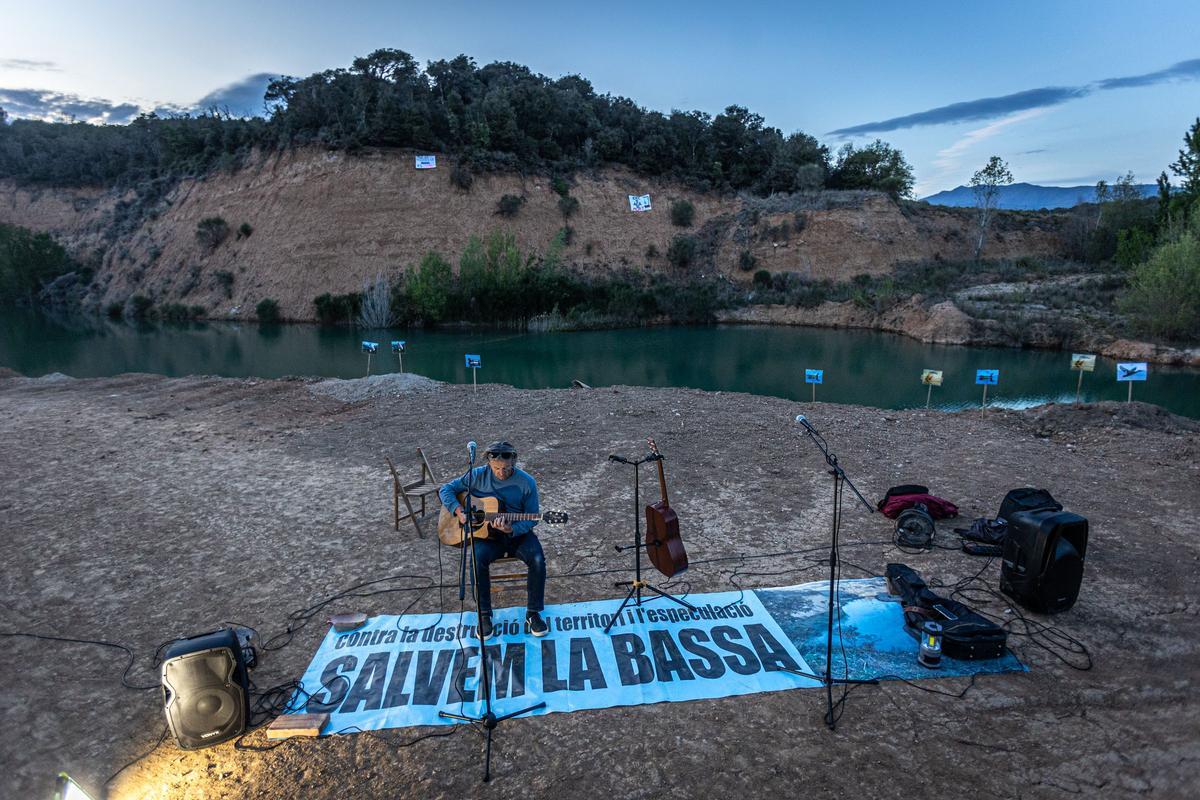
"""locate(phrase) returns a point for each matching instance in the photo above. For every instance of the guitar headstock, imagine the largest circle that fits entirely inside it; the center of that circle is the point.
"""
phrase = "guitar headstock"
(653, 447)
(555, 517)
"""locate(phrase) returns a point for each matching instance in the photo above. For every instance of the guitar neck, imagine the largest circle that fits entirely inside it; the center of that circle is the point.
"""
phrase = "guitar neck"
(662, 484)
(514, 517)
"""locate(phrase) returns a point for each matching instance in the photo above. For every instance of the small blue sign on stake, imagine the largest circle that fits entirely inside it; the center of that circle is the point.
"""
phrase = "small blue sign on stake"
(474, 363)
(814, 376)
(1130, 371)
(398, 347)
(986, 378)
(370, 348)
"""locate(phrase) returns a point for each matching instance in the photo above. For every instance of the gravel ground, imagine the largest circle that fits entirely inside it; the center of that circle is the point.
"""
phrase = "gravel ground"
(137, 509)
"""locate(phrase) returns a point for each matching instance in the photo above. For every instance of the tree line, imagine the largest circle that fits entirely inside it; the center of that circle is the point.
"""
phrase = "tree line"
(499, 116)
(1155, 241)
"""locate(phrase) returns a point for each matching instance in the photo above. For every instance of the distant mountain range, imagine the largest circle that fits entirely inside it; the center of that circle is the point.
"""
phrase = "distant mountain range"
(1028, 196)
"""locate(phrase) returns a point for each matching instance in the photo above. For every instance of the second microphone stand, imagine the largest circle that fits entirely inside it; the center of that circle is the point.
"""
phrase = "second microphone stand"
(637, 584)
(839, 478)
(489, 718)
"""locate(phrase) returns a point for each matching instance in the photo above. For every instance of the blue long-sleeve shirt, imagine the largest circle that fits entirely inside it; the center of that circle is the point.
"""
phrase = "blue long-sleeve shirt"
(518, 493)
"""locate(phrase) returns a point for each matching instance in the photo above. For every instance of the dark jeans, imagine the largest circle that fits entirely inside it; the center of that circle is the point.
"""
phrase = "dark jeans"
(525, 547)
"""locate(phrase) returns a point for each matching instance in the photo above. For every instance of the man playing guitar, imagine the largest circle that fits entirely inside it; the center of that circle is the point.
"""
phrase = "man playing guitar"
(517, 491)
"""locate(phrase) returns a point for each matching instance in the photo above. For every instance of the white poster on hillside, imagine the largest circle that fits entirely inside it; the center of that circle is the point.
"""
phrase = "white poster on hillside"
(426, 162)
(639, 202)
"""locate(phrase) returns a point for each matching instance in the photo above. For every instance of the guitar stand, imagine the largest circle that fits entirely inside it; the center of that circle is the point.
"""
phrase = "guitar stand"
(489, 718)
(638, 584)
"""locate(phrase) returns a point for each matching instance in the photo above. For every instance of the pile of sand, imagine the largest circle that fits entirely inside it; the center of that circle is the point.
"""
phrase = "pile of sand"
(394, 384)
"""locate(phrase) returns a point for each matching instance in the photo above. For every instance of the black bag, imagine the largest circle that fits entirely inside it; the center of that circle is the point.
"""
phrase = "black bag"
(1027, 499)
(985, 531)
(966, 634)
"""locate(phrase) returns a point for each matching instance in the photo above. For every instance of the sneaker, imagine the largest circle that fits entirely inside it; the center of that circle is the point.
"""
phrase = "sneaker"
(537, 625)
(485, 626)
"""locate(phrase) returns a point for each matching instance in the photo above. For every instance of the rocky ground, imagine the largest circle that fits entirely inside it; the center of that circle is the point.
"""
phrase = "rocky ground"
(137, 509)
(947, 322)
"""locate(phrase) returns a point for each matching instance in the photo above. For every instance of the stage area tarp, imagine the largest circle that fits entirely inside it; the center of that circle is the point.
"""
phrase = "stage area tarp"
(398, 671)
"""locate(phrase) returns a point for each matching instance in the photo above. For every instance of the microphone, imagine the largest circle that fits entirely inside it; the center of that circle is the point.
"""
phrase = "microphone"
(803, 420)
(471, 450)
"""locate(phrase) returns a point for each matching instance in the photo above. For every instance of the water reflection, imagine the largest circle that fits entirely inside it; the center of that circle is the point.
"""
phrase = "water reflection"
(860, 367)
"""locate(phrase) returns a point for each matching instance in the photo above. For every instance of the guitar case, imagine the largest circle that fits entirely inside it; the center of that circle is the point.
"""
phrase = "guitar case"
(966, 634)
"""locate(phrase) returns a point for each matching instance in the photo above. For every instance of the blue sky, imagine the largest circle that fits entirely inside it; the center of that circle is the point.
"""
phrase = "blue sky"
(948, 83)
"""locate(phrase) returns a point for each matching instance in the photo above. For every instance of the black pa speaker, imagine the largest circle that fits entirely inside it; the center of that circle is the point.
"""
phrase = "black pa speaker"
(205, 689)
(1043, 559)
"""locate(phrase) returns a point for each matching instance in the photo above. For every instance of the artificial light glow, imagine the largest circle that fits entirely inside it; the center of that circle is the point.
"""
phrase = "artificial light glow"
(67, 789)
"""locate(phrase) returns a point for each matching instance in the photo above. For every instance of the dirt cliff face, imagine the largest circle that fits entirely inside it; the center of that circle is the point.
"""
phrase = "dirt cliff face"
(328, 222)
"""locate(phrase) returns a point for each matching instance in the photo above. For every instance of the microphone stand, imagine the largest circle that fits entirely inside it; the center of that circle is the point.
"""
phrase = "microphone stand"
(839, 478)
(637, 584)
(489, 718)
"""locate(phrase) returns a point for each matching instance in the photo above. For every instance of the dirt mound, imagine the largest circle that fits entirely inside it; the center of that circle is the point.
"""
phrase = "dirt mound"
(5, 372)
(392, 385)
(1060, 417)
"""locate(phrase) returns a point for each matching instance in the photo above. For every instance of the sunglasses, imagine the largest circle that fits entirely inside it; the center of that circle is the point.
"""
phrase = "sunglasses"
(503, 456)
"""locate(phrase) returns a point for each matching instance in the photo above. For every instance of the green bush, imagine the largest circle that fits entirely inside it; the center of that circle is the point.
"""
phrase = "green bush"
(430, 288)
(1133, 247)
(461, 177)
(267, 310)
(244, 230)
(567, 206)
(762, 279)
(334, 309)
(114, 310)
(1164, 292)
(682, 213)
(139, 306)
(651, 252)
(509, 205)
(178, 312)
(682, 251)
(746, 261)
(211, 231)
(224, 279)
(560, 186)
(27, 261)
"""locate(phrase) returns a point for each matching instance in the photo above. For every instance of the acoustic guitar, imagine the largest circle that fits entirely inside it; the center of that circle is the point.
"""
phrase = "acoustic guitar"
(484, 511)
(663, 543)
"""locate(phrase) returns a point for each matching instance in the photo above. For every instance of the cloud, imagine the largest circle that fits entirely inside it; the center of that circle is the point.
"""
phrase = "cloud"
(29, 64)
(1045, 97)
(58, 106)
(972, 110)
(1184, 70)
(950, 157)
(242, 98)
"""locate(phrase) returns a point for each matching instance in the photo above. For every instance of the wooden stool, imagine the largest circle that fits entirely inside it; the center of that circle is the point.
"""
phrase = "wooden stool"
(515, 570)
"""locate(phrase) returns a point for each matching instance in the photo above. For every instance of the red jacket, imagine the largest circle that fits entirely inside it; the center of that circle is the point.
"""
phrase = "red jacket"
(937, 507)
